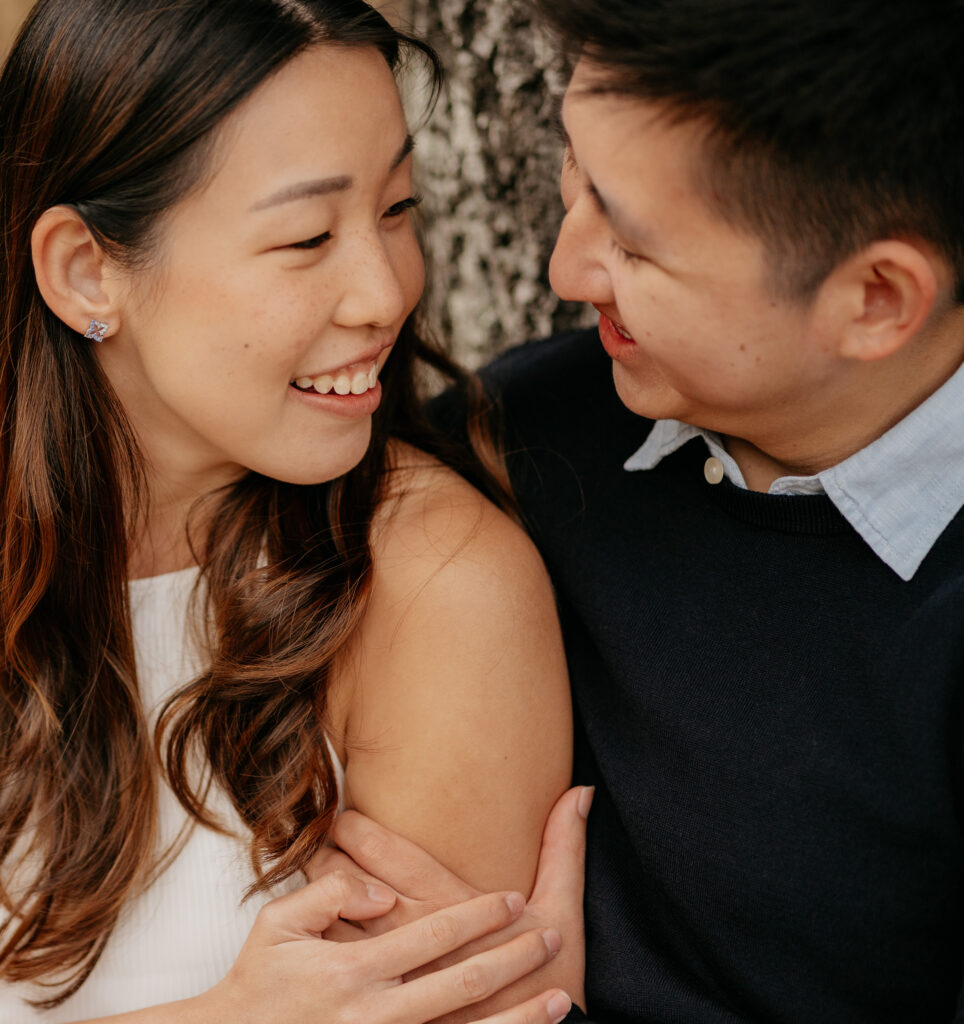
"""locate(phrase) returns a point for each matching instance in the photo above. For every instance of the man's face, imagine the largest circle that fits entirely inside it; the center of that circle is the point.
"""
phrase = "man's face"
(686, 312)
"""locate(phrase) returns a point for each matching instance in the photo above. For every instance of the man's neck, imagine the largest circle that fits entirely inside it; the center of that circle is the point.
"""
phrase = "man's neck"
(759, 469)
(862, 410)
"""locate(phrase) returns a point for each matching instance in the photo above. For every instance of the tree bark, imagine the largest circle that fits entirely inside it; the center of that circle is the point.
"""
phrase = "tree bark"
(488, 163)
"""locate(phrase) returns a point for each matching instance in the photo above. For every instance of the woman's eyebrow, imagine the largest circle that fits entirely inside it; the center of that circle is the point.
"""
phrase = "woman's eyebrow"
(407, 146)
(325, 186)
(305, 190)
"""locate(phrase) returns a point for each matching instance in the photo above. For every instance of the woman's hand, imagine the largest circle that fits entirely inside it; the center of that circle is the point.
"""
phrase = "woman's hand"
(287, 973)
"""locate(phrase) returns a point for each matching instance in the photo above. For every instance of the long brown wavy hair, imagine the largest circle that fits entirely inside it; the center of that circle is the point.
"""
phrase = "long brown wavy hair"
(111, 107)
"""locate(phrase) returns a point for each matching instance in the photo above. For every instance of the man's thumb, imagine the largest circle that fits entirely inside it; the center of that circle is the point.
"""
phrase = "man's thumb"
(314, 907)
(563, 856)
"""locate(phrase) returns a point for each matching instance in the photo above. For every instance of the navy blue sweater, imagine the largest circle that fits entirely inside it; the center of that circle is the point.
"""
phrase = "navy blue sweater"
(772, 719)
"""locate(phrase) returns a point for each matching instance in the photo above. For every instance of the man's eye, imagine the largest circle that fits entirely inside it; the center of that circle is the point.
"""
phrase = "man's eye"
(312, 243)
(625, 254)
(404, 206)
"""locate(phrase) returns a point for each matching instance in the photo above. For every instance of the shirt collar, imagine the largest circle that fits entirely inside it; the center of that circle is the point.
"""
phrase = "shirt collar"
(899, 493)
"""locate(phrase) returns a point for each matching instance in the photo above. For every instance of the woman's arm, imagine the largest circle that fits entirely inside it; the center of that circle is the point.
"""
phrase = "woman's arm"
(454, 698)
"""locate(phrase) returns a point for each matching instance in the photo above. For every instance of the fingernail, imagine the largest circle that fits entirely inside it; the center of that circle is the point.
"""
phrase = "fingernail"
(380, 894)
(515, 901)
(558, 1007)
(585, 800)
(553, 940)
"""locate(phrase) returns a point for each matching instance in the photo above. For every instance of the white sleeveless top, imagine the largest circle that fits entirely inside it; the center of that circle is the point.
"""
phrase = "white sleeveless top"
(181, 936)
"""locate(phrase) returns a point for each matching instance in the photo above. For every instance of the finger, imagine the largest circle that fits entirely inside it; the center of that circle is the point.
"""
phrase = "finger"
(397, 862)
(562, 860)
(476, 978)
(344, 931)
(549, 1008)
(309, 911)
(328, 859)
(404, 911)
(413, 945)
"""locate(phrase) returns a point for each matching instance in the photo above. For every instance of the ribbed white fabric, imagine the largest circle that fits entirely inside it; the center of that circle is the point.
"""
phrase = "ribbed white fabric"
(180, 937)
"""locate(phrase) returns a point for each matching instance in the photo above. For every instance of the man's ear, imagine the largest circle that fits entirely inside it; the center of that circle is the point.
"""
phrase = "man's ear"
(884, 295)
(72, 271)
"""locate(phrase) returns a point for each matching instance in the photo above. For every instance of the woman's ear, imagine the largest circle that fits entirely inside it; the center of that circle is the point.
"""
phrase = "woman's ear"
(891, 288)
(73, 274)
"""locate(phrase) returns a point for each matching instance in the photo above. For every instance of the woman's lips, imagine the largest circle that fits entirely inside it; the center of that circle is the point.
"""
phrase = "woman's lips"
(350, 406)
(353, 380)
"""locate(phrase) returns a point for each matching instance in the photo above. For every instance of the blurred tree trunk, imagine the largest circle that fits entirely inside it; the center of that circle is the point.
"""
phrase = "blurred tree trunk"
(488, 163)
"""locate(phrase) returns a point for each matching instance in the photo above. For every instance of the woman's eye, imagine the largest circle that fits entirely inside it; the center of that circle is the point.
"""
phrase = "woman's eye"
(396, 210)
(404, 206)
(312, 243)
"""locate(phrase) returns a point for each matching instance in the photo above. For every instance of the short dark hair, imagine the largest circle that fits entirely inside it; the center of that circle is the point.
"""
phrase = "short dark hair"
(832, 123)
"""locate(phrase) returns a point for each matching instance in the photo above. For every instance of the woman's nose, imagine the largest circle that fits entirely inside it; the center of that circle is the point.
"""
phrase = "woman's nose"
(372, 292)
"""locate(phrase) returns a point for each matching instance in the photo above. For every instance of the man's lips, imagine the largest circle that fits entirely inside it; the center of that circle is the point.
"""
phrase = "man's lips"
(616, 339)
(617, 326)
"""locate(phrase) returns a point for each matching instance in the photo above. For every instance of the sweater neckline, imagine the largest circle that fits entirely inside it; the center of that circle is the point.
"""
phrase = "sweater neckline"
(787, 513)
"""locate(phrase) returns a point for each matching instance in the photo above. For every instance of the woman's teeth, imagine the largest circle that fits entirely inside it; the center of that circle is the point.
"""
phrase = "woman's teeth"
(620, 330)
(343, 383)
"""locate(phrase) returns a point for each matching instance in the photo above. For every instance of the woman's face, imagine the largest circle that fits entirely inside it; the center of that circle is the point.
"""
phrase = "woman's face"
(278, 285)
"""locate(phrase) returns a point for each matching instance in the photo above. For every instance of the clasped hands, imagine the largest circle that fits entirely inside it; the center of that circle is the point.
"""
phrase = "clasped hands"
(465, 963)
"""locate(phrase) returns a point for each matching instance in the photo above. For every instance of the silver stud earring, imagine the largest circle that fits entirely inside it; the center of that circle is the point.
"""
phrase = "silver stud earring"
(97, 330)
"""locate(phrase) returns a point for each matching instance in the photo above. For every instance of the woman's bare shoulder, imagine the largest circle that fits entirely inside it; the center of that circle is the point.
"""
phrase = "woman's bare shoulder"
(455, 688)
(432, 519)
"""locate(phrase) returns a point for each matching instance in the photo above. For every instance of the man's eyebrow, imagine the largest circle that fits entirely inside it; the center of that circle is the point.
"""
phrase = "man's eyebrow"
(325, 186)
(625, 228)
(623, 225)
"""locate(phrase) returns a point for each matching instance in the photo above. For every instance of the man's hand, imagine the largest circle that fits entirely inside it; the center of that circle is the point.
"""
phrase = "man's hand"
(424, 886)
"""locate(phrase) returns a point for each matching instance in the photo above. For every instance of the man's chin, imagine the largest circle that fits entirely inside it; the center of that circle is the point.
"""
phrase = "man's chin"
(644, 391)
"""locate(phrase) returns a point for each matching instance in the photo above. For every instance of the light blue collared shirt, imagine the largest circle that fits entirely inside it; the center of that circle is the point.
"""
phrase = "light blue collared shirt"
(899, 493)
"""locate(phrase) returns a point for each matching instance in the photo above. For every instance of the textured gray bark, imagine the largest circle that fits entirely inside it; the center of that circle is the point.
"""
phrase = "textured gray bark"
(488, 165)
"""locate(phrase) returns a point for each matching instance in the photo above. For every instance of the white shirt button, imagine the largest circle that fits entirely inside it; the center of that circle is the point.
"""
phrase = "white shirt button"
(713, 470)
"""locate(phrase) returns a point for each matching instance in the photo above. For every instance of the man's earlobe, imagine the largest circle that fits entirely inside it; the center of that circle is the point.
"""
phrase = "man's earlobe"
(894, 285)
(70, 269)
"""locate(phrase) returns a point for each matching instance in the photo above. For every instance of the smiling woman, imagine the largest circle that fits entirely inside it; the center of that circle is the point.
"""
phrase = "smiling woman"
(241, 587)
(294, 261)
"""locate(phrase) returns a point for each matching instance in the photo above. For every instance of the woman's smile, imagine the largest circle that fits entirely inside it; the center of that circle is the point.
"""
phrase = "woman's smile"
(240, 301)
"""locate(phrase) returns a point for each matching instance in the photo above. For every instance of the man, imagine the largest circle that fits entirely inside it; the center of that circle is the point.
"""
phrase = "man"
(757, 541)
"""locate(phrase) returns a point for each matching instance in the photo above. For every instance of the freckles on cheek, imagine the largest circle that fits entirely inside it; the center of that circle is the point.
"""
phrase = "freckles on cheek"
(409, 265)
